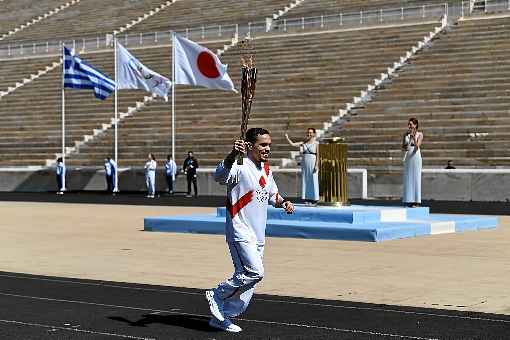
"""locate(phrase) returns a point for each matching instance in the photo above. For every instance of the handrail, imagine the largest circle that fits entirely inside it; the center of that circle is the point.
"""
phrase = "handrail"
(471, 7)
(229, 31)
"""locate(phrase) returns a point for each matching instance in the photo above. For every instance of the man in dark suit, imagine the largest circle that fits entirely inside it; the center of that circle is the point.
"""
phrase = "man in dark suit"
(189, 167)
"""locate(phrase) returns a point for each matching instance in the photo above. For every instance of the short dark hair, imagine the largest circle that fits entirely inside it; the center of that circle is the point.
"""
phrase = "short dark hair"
(414, 120)
(151, 155)
(59, 159)
(313, 129)
(251, 134)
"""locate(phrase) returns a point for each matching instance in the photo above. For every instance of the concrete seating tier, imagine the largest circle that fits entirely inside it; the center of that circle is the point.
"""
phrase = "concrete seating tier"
(14, 13)
(195, 13)
(310, 8)
(15, 70)
(86, 19)
(457, 89)
(303, 81)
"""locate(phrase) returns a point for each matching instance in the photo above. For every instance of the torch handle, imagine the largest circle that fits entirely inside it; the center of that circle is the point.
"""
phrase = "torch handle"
(240, 156)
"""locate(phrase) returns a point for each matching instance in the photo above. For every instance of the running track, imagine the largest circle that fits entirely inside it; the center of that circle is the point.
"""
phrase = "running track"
(37, 307)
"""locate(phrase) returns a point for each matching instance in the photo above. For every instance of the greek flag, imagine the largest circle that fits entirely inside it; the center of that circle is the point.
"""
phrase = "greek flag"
(80, 75)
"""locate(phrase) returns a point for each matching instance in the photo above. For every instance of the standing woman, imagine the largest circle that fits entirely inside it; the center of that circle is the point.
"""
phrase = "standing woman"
(150, 175)
(309, 149)
(170, 172)
(411, 144)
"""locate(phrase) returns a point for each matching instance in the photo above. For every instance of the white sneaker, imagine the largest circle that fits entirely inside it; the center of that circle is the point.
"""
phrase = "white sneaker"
(225, 325)
(215, 305)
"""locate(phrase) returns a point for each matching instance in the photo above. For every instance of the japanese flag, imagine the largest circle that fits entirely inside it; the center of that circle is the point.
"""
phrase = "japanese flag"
(196, 65)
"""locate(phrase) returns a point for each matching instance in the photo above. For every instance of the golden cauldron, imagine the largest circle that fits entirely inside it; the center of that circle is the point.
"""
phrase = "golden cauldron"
(333, 172)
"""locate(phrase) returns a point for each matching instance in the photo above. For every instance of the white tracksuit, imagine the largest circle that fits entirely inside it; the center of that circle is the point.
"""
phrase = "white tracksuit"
(250, 188)
(150, 176)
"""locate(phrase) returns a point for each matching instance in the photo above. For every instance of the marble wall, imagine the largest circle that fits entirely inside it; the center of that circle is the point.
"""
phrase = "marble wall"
(454, 185)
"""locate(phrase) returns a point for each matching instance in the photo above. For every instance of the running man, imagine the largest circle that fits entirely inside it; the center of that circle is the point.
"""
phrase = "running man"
(250, 188)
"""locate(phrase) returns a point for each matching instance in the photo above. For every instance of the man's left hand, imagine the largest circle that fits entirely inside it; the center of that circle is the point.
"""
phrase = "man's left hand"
(288, 207)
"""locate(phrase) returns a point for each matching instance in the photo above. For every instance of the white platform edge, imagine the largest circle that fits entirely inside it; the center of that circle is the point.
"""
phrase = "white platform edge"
(393, 215)
(446, 227)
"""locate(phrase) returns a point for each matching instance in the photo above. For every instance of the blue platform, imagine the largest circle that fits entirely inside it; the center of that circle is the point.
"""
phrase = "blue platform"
(357, 223)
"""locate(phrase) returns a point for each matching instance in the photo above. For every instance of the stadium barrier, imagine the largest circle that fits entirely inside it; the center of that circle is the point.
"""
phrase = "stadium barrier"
(437, 184)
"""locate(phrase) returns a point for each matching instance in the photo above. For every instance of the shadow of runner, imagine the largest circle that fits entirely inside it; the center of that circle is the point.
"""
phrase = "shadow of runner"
(198, 323)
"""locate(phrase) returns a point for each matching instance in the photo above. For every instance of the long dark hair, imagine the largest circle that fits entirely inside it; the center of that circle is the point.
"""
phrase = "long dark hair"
(414, 121)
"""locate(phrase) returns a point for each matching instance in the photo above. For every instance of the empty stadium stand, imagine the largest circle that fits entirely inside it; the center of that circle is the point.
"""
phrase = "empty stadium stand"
(303, 80)
(14, 13)
(458, 89)
(195, 13)
(85, 19)
(30, 131)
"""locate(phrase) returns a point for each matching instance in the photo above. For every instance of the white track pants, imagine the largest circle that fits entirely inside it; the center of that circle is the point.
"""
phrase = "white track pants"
(236, 292)
(150, 181)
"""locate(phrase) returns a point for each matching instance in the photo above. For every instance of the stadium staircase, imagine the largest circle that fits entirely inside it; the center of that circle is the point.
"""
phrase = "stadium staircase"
(17, 73)
(17, 13)
(458, 89)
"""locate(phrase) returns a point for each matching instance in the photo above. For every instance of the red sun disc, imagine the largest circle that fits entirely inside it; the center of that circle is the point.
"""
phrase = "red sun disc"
(207, 65)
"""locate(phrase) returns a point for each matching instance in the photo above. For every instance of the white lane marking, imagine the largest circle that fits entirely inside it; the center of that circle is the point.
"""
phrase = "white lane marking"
(343, 330)
(386, 310)
(333, 329)
(396, 311)
(97, 284)
(73, 329)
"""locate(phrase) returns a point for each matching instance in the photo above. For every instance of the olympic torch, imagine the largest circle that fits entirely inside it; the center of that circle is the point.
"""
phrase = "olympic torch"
(248, 82)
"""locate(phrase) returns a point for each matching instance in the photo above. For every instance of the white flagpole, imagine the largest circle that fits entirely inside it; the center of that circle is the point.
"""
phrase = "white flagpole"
(173, 95)
(115, 184)
(116, 97)
(63, 117)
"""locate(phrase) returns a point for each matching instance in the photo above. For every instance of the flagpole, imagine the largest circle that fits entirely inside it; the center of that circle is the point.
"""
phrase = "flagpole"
(63, 116)
(116, 183)
(173, 95)
(116, 97)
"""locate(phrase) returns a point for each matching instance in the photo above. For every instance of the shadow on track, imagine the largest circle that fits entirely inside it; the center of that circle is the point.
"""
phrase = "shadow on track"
(198, 323)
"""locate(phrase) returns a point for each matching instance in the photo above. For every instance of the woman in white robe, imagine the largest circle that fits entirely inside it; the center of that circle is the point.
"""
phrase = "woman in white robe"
(411, 144)
(309, 149)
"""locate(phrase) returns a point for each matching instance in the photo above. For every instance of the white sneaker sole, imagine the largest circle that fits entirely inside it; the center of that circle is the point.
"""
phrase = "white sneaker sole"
(230, 328)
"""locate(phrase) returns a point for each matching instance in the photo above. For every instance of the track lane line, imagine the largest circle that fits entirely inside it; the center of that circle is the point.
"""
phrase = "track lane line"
(78, 330)
(255, 298)
(158, 311)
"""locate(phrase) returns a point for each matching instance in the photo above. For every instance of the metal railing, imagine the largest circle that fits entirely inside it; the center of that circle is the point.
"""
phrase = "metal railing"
(362, 18)
(227, 32)
(470, 8)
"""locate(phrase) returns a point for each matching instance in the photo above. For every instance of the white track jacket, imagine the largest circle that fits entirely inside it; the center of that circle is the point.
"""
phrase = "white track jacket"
(250, 188)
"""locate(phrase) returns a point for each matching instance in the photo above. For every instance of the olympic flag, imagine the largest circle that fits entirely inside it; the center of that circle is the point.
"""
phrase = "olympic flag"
(132, 74)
